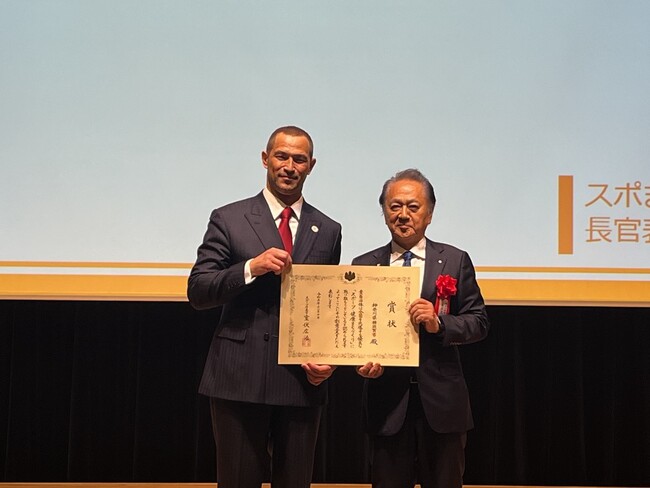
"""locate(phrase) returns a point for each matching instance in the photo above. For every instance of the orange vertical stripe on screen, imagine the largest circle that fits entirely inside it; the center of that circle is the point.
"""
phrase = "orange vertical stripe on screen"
(565, 215)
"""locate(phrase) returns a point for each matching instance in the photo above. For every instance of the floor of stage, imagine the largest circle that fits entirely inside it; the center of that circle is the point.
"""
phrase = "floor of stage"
(212, 485)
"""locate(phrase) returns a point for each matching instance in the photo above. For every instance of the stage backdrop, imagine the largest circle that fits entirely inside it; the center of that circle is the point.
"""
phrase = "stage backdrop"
(107, 391)
(123, 124)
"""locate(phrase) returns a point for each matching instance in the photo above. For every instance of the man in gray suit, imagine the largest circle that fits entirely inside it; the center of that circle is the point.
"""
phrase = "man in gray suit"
(265, 416)
(418, 418)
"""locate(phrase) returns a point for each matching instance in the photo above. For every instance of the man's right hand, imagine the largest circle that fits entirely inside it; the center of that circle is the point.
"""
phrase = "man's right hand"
(370, 370)
(273, 260)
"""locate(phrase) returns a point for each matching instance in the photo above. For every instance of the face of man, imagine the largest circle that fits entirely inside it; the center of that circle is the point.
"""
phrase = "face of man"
(287, 165)
(407, 212)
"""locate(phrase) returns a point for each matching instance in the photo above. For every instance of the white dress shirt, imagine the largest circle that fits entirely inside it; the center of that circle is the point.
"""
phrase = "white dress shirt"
(419, 256)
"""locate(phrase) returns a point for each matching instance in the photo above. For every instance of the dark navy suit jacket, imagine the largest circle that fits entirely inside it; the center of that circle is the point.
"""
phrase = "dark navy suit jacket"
(441, 383)
(242, 363)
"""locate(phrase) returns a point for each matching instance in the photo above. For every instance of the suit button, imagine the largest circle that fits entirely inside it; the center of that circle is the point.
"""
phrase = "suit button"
(266, 336)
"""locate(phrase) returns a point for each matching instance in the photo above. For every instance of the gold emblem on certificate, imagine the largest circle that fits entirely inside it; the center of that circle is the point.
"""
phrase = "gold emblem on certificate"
(348, 315)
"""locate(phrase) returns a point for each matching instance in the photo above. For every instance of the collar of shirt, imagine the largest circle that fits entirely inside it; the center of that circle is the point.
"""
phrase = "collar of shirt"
(276, 207)
(419, 253)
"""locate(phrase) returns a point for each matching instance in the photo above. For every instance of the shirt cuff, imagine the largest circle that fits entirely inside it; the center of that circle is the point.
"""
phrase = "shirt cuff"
(248, 276)
(441, 329)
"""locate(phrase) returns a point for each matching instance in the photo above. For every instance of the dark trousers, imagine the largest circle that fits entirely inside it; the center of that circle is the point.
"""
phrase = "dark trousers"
(418, 454)
(257, 443)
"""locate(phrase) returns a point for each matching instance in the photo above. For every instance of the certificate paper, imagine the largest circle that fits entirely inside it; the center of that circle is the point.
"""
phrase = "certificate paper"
(348, 315)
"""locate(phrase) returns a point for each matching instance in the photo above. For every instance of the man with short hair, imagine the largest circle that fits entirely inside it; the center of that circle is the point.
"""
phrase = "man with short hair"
(265, 416)
(418, 418)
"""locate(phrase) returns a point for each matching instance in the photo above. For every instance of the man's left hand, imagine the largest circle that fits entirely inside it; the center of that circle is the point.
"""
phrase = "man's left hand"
(422, 313)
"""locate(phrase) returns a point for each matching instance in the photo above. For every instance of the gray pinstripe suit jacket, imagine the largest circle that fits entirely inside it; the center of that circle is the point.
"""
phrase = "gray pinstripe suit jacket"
(242, 363)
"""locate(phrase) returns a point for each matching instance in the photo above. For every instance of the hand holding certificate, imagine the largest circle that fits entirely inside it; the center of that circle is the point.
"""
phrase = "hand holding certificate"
(348, 315)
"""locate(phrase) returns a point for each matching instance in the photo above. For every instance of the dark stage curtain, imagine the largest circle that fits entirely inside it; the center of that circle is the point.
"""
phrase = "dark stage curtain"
(106, 391)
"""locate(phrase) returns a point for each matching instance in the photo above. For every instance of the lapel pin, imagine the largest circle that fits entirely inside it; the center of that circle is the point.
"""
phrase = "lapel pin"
(439, 261)
(314, 228)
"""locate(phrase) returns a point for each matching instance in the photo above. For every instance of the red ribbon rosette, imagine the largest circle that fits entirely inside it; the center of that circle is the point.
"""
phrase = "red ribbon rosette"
(445, 288)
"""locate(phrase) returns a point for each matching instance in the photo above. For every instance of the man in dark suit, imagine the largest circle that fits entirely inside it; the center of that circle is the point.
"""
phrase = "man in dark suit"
(265, 416)
(418, 418)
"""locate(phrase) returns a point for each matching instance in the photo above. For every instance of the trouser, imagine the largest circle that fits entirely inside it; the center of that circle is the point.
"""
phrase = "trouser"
(257, 443)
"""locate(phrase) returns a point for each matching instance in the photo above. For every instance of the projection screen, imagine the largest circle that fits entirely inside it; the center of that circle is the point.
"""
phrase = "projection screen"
(123, 124)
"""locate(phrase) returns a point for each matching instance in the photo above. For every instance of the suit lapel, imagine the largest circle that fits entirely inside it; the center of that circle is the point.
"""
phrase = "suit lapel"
(260, 218)
(382, 255)
(308, 229)
(433, 267)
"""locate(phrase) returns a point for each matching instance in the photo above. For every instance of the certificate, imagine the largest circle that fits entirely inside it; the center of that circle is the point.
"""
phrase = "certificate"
(348, 315)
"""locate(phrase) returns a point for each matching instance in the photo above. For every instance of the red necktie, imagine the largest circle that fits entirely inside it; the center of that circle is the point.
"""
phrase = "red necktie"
(285, 230)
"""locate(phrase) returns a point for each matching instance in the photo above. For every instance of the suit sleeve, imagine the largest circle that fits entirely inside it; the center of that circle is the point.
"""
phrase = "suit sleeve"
(468, 321)
(214, 279)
